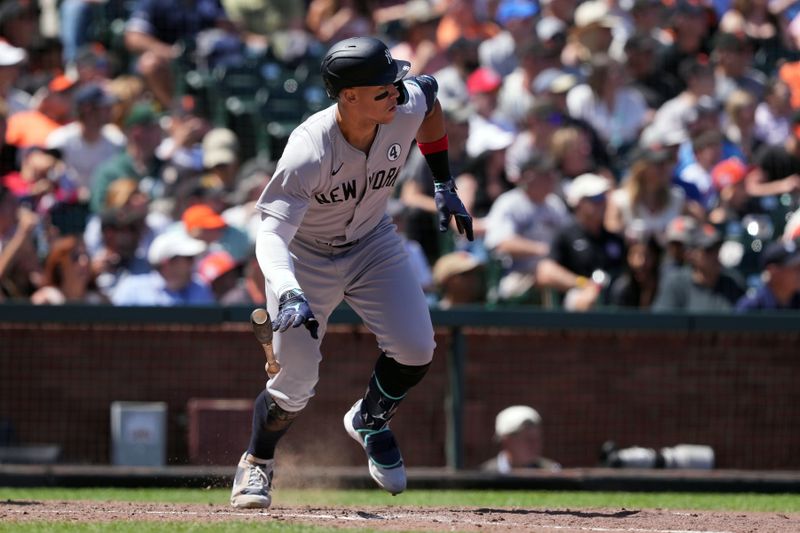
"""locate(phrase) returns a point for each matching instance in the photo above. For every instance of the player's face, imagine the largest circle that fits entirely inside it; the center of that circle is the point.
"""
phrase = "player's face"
(378, 102)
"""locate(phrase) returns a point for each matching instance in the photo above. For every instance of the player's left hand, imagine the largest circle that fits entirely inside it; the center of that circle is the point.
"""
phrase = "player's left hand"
(448, 204)
(293, 311)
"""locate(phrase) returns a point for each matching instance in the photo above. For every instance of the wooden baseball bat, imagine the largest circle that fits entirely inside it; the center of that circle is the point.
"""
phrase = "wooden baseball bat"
(262, 327)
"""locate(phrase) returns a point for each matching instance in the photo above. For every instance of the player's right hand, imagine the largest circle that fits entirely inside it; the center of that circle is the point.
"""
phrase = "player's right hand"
(294, 310)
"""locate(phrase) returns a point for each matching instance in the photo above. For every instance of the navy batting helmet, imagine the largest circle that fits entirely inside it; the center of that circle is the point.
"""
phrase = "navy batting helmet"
(360, 62)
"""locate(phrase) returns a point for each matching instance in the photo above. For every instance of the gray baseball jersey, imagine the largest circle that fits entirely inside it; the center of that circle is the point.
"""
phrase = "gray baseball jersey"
(346, 247)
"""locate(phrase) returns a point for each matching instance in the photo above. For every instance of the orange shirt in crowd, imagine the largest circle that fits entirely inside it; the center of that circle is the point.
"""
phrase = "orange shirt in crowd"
(29, 128)
(790, 74)
(451, 29)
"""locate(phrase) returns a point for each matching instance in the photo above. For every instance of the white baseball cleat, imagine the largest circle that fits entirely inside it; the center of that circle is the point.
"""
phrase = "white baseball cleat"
(252, 484)
(385, 461)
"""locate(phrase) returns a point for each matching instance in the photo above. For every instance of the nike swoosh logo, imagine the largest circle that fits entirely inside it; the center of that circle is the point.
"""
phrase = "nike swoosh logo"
(337, 170)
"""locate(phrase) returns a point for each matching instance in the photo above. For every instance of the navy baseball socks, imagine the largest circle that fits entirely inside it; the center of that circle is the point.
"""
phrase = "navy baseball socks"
(252, 484)
(367, 422)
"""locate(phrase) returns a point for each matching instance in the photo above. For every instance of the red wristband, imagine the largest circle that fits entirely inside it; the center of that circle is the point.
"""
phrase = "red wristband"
(433, 147)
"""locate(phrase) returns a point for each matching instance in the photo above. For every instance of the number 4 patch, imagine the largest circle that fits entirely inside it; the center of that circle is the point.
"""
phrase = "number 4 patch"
(394, 152)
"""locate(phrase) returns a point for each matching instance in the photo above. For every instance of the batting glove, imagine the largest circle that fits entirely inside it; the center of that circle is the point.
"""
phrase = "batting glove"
(293, 310)
(448, 204)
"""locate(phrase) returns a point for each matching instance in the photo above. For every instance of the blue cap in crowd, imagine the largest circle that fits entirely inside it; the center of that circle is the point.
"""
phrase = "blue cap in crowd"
(93, 94)
(516, 9)
(781, 253)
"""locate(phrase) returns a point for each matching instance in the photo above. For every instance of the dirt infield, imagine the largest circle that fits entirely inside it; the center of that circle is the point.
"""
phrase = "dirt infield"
(412, 519)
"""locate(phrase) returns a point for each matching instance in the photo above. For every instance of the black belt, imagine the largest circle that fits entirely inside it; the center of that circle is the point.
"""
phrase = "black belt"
(341, 246)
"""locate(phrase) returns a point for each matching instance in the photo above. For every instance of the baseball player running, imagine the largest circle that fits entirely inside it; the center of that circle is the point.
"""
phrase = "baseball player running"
(325, 237)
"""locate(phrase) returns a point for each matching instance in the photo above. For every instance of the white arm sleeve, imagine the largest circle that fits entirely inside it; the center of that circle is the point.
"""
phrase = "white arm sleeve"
(272, 251)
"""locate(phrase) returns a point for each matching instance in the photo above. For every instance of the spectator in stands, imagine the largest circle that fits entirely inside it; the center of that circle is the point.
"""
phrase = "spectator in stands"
(780, 280)
(156, 32)
(44, 64)
(8, 214)
(461, 19)
(773, 115)
(703, 285)
(583, 247)
(792, 230)
(11, 61)
(636, 287)
(518, 430)
(541, 120)
(128, 90)
(698, 80)
(618, 113)
(647, 199)
(679, 234)
(20, 270)
(459, 280)
(17, 251)
(778, 167)
(19, 22)
(123, 195)
(68, 275)
(516, 93)
(740, 121)
(42, 181)
(500, 52)
(689, 26)
(250, 289)
(733, 203)
(695, 178)
(521, 225)
(761, 25)
(641, 51)
(261, 22)
(563, 10)
(93, 65)
(201, 222)
(571, 148)
(31, 127)
(703, 119)
(220, 272)
(331, 21)
(193, 191)
(551, 33)
(591, 33)
(138, 161)
(91, 140)
(172, 282)
(122, 249)
(733, 59)
(487, 128)
(418, 42)
(221, 157)
(181, 149)
(555, 86)
(462, 56)
(648, 17)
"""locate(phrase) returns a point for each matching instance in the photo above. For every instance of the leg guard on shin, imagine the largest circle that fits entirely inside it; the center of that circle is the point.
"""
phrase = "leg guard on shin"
(387, 387)
(270, 422)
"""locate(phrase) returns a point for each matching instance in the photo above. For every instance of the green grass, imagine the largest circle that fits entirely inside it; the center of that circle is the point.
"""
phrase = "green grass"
(786, 503)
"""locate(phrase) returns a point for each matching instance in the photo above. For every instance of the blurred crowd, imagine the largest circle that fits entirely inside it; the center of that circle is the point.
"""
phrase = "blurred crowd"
(614, 153)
